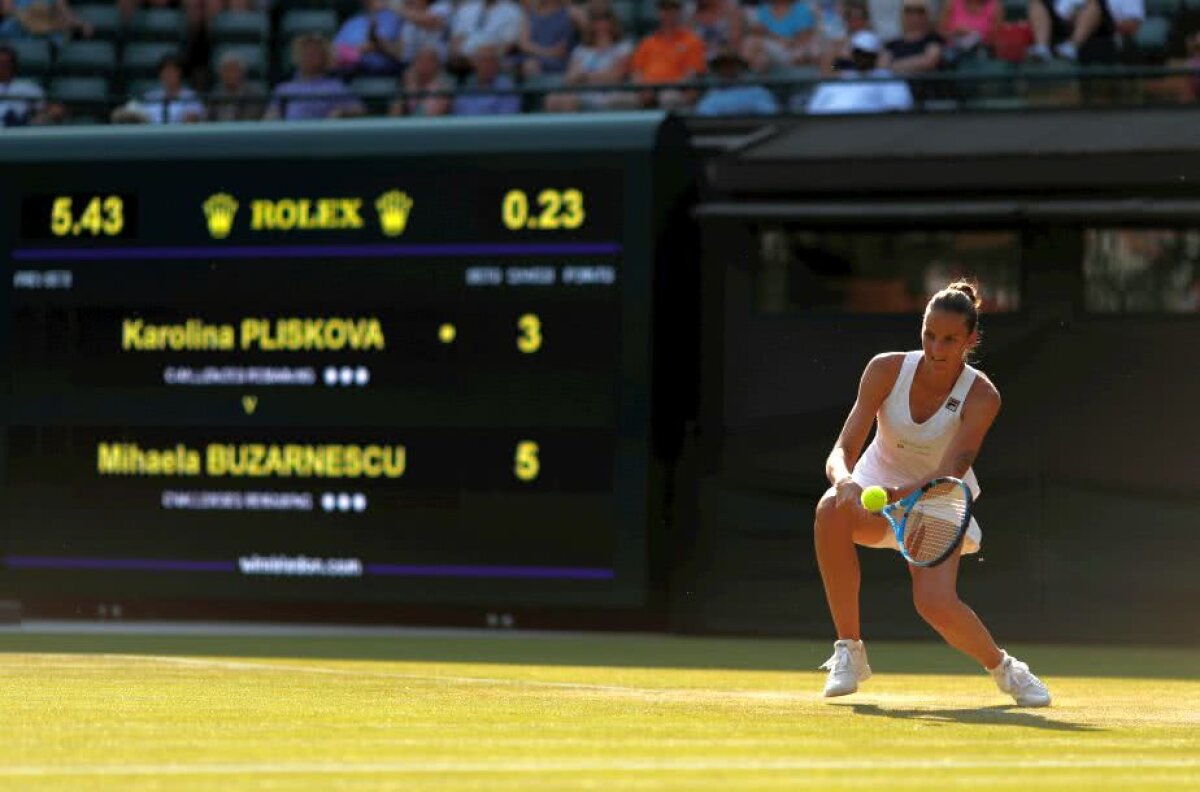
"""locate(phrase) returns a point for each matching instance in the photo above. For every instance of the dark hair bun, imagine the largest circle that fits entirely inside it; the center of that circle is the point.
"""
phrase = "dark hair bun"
(969, 289)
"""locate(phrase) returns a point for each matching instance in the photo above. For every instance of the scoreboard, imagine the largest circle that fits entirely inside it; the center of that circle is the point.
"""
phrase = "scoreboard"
(362, 362)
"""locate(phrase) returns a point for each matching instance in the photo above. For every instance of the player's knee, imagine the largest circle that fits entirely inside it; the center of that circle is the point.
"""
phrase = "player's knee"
(934, 605)
(828, 517)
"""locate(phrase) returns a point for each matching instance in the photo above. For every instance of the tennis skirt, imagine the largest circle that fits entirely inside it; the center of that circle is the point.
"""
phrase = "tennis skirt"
(971, 542)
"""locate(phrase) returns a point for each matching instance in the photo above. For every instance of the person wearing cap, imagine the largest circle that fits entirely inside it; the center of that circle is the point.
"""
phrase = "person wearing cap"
(918, 50)
(783, 33)
(863, 86)
(731, 97)
(671, 54)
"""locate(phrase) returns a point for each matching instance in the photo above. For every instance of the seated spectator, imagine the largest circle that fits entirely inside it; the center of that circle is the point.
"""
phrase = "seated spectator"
(426, 26)
(1084, 30)
(857, 19)
(232, 100)
(919, 48)
(369, 42)
(172, 102)
(718, 23)
(312, 93)
(968, 25)
(548, 35)
(582, 12)
(22, 102)
(52, 19)
(731, 97)
(489, 92)
(783, 33)
(425, 75)
(602, 59)
(831, 23)
(483, 23)
(672, 54)
(851, 93)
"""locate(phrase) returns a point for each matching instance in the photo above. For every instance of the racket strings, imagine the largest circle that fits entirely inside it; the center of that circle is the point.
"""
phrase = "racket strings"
(935, 521)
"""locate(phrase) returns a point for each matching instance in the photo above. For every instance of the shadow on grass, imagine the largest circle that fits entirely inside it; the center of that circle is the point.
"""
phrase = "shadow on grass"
(997, 715)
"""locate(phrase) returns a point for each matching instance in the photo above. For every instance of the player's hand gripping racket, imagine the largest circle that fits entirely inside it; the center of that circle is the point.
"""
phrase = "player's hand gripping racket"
(931, 522)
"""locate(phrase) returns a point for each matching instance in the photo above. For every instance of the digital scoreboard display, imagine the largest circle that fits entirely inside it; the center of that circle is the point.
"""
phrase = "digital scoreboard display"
(382, 365)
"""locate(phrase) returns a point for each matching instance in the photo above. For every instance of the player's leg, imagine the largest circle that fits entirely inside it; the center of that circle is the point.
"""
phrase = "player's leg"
(935, 593)
(836, 529)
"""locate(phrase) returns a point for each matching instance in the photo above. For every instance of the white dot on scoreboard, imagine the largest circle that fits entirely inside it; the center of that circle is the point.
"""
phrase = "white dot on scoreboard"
(331, 375)
(328, 502)
(359, 502)
(343, 501)
(362, 375)
(346, 375)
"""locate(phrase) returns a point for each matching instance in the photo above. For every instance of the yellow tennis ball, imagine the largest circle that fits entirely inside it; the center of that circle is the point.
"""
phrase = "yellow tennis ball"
(874, 498)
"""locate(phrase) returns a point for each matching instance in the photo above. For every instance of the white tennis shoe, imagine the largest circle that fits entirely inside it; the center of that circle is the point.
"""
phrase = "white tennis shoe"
(1014, 678)
(847, 667)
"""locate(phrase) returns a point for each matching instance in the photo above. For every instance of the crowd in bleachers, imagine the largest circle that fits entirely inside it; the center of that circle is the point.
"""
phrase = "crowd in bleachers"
(174, 61)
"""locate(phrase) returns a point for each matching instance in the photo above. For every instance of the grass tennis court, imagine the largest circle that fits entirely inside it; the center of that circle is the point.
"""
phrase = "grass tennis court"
(537, 712)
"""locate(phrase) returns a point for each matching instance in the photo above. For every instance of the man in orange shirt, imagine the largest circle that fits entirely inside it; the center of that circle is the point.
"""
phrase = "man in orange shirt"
(672, 54)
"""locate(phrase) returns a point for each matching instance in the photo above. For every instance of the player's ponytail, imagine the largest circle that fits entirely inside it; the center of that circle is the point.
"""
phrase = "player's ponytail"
(960, 297)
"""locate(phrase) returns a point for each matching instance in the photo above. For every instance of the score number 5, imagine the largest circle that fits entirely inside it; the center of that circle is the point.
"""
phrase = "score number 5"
(526, 465)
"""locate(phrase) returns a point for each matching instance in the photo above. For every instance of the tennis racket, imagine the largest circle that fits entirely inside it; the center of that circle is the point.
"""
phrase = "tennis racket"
(931, 522)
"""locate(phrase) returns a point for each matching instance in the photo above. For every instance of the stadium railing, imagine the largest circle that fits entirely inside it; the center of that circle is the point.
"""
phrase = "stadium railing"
(1017, 88)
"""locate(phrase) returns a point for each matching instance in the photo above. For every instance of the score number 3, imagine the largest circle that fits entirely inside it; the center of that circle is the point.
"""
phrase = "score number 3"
(557, 209)
(526, 465)
(529, 333)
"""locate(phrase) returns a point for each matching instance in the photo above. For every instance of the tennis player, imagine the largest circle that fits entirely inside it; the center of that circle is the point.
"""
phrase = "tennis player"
(932, 412)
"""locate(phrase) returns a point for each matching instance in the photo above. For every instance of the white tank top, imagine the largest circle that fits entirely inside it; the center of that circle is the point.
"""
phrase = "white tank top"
(904, 451)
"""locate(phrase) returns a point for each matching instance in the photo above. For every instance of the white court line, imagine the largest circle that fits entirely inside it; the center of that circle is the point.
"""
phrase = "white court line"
(356, 672)
(585, 766)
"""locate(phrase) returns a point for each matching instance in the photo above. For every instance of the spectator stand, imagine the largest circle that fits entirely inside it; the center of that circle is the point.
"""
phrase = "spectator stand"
(120, 60)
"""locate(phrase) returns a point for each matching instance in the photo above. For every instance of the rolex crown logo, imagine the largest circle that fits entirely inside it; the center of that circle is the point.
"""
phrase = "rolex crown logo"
(219, 211)
(393, 207)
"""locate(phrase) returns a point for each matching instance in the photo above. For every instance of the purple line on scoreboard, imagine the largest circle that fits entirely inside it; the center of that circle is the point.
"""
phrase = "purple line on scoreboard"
(138, 564)
(393, 570)
(469, 571)
(320, 251)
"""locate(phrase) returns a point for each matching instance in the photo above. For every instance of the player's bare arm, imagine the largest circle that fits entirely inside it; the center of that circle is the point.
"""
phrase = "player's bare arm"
(874, 386)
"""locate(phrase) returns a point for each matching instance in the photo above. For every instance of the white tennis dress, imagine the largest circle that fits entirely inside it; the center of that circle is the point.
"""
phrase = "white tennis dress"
(904, 451)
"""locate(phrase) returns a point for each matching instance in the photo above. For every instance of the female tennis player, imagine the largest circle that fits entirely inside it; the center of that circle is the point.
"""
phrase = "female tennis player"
(933, 411)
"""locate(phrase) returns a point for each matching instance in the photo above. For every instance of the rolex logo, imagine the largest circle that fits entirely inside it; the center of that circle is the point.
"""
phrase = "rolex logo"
(393, 207)
(219, 211)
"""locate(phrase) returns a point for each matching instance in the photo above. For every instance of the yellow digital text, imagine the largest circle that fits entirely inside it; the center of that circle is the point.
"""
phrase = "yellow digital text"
(254, 460)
